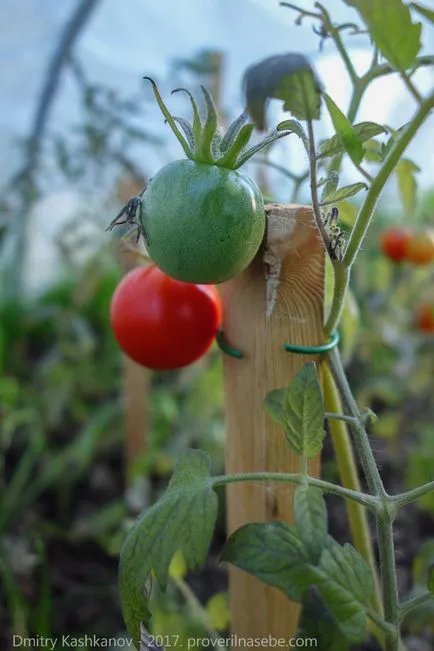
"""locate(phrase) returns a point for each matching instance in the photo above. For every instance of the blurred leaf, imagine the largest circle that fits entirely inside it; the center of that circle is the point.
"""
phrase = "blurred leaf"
(299, 409)
(347, 213)
(178, 566)
(334, 145)
(288, 77)
(387, 426)
(182, 519)
(423, 11)
(430, 583)
(373, 151)
(420, 464)
(392, 30)
(219, 614)
(407, 184)
(349, 326)
(347, 134)
(295, 127)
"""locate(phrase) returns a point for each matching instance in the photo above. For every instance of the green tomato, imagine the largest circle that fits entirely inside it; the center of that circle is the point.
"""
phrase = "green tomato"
(202, 223)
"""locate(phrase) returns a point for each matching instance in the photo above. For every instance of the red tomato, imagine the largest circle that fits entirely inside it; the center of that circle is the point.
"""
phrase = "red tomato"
(420, 248)
(394, 242)
(162, 323)
(425, 318)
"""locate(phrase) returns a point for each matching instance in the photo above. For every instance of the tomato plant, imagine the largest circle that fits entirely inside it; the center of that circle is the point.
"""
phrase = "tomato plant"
(162, 323)
(419, 248)
(394, 243)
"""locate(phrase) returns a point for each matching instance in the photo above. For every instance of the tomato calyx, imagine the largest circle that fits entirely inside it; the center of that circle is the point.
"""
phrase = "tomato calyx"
(203, 142)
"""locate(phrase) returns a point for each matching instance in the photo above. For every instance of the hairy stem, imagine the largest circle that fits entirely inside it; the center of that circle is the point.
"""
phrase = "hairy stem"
(369, 501)
(347, 467)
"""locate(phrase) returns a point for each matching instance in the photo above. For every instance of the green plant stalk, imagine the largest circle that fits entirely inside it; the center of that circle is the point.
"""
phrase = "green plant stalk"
(369, 501)
(411, 496)
(358, 521)
(384, 516)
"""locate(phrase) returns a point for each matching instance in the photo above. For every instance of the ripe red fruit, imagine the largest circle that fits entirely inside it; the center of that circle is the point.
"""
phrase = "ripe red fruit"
(425, 318)
(394, 242)
(162, 323)
(420, 248)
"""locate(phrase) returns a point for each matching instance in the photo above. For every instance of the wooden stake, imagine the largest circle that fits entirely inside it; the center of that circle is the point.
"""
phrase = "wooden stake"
(278, 299)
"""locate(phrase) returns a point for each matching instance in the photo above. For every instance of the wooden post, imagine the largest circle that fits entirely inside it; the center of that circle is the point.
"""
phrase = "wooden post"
(278, 299)
(136, 379)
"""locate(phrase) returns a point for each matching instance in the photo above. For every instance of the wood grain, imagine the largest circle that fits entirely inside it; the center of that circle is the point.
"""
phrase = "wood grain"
(278, 299)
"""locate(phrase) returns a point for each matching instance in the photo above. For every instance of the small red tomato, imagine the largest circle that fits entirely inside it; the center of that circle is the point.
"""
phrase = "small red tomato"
(425, 318)
(394, 242)
(420, 248)
(162, 323)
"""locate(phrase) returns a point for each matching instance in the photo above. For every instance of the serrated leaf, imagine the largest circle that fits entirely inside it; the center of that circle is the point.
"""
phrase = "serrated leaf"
(334, 145)
(407, 184)
(295, 127)
(423, 11)
(300, 411)
(319, 623)
(345, 193)
(330, 186)
(392, 30)
(347, 134)
(345, 583)
(288, 77)
(310, 517)
(182, 519)
(273, 552)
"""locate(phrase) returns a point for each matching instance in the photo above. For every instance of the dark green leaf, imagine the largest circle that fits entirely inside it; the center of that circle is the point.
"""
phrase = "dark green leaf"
(392, 30)
(330, 187)
(426, 13)
(407, 184)
(311, 520)
(300, 411)
(348, 135)
(345, 583)
(319, 623)
(273, 552)
(288, 77)
(334, 145)
(182, 519)
(345, 193)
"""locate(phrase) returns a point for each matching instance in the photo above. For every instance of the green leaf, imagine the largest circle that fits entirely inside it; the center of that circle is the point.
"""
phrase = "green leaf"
(423, 11)
(347, 213)
(300, 411)
(345, 193)
(392, 30)
(310, 516)
(182, 519)
(373, 151)
(273, 552)
(288, 77)
(330, 187)
(407, 184)
(319, 623)
(345, 583)
(295, 127)
(334, 145)
(348, 135)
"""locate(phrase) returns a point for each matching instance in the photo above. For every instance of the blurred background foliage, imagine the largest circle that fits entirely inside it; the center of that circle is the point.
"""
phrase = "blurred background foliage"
(68, 492)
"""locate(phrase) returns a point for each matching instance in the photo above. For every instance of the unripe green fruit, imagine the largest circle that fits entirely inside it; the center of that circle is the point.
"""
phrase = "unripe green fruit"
(202, 223)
